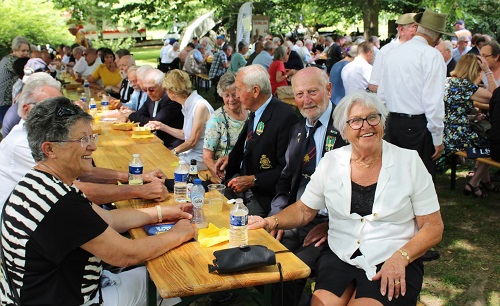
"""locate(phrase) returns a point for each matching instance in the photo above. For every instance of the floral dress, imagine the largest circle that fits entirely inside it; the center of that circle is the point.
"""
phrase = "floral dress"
(458, 134)
(219, 127)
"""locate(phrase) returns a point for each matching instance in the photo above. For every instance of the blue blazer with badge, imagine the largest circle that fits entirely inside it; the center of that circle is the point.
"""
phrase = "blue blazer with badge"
(289, 182)
(265, 155)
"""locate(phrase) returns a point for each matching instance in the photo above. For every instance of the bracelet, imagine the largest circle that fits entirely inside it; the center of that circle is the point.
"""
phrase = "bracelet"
(488, 72)
(405, 254)
(276, 220)
(159, 213)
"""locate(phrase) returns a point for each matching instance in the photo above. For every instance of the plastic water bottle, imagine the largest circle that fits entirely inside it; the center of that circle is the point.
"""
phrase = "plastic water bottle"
(63, 72)
(86, 90)
(104, 103)
(198, 199)
(193, 174)
(92, 107)
(84, 98)
(238, 220)
(323, 67)
(135, 171)
(180, 182)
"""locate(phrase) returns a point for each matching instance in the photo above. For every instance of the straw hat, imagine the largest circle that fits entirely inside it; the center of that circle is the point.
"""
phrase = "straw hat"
(406, 19)
(433, 21)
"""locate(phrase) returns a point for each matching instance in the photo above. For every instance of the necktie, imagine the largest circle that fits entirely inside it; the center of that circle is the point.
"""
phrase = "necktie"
(309, 159)
(250, 126)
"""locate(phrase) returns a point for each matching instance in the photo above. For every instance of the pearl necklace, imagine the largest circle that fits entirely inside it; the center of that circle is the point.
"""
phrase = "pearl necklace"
(366, 165)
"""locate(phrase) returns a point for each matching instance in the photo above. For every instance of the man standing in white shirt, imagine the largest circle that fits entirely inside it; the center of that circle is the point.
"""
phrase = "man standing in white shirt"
(406, 30)
(356, 74)
(413, 87)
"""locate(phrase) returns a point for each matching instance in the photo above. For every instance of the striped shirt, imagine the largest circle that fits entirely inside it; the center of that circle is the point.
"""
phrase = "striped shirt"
(44, 224)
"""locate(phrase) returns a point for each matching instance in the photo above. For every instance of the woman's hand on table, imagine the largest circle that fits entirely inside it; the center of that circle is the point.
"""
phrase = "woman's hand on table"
(392, 276)
(177, 212)
(152, 176)
(155, 190)
(184, 229)
(154, 125)
(278, 234)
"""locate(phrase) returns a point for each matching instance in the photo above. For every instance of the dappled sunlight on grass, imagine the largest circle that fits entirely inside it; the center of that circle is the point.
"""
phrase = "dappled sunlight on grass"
(462, 244)
(494, 298)
(436, 291)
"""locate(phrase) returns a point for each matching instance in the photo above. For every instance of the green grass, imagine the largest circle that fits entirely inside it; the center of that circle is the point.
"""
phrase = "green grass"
(468, 272)
(146, 55)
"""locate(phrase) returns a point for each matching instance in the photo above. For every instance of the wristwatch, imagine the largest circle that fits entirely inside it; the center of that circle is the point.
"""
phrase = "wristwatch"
(254, 180)
(175, 152)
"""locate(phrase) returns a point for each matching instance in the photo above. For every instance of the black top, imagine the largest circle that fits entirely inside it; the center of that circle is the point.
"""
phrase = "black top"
(362, 199)
(294, 61)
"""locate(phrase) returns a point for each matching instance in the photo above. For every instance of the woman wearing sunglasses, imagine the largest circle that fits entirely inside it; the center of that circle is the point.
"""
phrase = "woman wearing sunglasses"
(54, 240)
(383, 213)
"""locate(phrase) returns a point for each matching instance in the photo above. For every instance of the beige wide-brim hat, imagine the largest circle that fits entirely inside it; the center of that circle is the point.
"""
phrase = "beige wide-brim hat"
(406, 19)
(433, 21)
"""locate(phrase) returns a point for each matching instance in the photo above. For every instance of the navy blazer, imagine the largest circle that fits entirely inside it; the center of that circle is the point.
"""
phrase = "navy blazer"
(168, 112)
(265, 156)
(289, 182)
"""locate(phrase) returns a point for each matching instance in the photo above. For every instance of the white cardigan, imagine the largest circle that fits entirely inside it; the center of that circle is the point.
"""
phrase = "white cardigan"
(404, 190)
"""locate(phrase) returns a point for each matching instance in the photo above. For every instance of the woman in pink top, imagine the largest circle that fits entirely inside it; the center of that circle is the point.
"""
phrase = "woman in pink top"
(277, 71)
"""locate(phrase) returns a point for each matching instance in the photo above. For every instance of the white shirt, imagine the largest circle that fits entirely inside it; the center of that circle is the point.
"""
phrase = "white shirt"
(412, 83)
(188, 110)
(356, 74)
(305, 55)
(92, 68)
(15, 154)
(164, 53)
(376, 75)
(80, 65)
(404, 190)
(484, 78)
(171, 55)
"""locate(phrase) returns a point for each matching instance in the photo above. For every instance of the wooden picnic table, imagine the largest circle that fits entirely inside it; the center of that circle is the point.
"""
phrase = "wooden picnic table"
(183, 271)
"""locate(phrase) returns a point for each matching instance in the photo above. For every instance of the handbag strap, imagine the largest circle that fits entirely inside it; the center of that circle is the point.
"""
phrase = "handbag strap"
(10, 282)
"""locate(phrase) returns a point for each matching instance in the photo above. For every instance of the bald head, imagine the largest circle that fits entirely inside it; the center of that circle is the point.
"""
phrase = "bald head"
(125, 63)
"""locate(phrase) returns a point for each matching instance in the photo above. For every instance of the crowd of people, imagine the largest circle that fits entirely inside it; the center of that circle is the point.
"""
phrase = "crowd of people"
(375, 122)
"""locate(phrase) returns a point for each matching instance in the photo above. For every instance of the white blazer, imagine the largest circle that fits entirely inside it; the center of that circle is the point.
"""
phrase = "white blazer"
(404, 190)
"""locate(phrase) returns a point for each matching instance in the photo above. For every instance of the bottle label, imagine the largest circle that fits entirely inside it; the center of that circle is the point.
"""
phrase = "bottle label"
(198, 200)
(136, 170)
(193, 169)
(93, 106)
(104, 103)
(238, 220)
(180, 177)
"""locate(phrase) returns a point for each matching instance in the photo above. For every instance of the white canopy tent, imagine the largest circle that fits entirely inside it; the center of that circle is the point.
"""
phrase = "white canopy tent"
(197, 28)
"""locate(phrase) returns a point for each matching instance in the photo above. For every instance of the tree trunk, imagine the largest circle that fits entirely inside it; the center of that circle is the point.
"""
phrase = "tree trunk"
(370, 18)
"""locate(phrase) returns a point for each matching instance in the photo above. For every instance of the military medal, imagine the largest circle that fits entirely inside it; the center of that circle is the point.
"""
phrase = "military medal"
(306, 158)
(330, 142)
(260, 128)
(265, 162)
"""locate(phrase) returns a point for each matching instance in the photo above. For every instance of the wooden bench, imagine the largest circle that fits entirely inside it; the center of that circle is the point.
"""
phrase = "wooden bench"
(201, 76)
(454, 157)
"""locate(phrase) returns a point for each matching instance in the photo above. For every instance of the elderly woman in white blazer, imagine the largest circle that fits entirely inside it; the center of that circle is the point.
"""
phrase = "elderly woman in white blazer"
(383, 213)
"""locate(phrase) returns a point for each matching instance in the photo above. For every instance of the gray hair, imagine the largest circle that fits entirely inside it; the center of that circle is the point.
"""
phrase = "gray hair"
(43, 124)
(288, 44)
(33, 90)
(308, 42)
(256, 75)
(132, 69)
(142, 70)
(324, 79)
(79, 50)
(329, 39)
(226, 82)
(242, 44)
(280, 53)
(18, 41)
(447, 45)
(432, 34)
(154, 75)
(268, 45)
(370, 100)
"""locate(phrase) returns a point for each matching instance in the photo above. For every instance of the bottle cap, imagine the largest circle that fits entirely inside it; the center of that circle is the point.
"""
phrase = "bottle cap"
(197, 181)
(135, 155)
(181, 162)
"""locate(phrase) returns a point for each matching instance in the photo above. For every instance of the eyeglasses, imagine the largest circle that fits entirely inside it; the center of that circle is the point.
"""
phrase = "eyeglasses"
(357, 123)
(62, 111)
(84, 141)
(151, 89)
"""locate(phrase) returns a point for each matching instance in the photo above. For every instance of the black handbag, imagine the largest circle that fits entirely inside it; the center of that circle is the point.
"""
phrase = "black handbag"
(242, 258)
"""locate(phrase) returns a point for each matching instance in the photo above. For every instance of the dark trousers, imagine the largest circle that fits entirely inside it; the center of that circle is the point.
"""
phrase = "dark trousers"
(412, 133)
(293, 239)
(495, 151)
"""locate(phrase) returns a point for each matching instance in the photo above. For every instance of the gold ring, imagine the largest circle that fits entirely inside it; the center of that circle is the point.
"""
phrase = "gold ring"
(397, 282)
